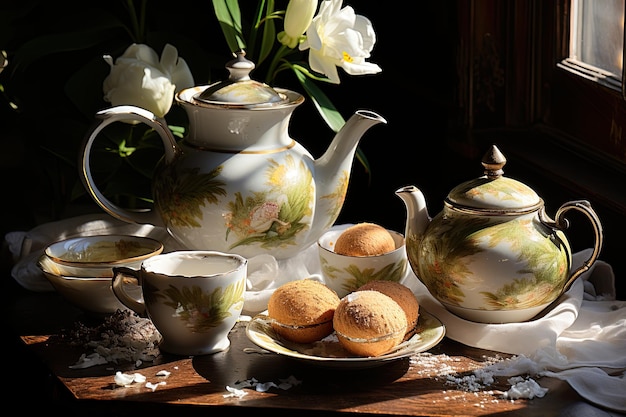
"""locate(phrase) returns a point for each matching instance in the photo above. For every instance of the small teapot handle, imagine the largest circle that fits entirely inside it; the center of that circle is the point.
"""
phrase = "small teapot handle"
(105, 118)
(562, 223)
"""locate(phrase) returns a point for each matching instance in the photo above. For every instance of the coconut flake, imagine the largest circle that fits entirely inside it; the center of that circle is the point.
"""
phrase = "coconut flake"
(153, 387)
(125, 380)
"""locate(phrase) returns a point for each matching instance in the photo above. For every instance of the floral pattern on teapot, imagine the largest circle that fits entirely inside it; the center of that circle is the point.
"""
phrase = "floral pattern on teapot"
(448, 264)
(337, 197)
(273, 217)
(181, 195)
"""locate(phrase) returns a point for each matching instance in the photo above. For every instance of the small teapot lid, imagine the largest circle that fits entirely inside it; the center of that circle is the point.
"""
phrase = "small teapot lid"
(239, 88)
(493, 192)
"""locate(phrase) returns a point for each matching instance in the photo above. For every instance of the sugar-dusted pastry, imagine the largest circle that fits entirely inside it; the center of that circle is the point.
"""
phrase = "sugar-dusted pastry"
(402, 295)
(369, 323)
(302, 310)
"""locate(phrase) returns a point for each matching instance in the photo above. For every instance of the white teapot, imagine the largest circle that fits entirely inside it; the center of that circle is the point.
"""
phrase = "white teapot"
(238, 182)
(492, 254)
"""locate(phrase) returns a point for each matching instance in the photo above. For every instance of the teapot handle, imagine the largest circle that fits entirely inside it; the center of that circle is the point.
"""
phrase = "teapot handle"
(103, 119)
(562, 223)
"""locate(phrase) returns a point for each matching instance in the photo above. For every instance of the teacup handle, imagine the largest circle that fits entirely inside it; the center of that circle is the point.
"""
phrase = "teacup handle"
(120, 276)
(562, 223)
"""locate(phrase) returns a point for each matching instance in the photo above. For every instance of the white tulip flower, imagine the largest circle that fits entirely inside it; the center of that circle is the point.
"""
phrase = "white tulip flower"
(138, 78)
(340, 38)
(298, 17)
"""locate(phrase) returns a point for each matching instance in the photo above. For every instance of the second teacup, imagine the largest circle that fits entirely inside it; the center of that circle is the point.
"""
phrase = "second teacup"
(345, 273)
(193, 298)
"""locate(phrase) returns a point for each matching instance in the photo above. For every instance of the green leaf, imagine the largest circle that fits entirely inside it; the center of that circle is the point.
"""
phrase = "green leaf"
(229, 17)
(268, 39)
(324, 106)
(309, 74)
(360, 155)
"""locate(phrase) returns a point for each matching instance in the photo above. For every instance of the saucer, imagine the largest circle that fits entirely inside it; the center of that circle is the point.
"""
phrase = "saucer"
(329, 353)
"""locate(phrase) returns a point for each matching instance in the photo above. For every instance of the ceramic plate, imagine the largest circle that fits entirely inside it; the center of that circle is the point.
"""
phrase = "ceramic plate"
(329, 353)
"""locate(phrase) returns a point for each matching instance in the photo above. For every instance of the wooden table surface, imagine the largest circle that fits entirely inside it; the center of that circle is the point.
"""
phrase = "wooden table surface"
(411, 386)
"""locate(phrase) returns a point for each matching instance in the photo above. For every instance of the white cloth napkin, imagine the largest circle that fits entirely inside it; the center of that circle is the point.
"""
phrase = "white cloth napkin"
(581, 339)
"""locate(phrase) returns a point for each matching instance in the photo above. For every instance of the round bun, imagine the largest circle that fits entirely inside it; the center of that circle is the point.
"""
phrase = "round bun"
(369, 323)
(302, 311)
(364, 239)
(402, 295)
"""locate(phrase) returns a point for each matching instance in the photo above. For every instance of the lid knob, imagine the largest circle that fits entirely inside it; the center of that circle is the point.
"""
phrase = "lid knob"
(239, 88)
(240, 67)
(493, 161)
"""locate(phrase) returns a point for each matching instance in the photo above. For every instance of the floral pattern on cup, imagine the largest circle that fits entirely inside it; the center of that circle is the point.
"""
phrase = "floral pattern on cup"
(359, 277)
(200, 310)
(194, 298)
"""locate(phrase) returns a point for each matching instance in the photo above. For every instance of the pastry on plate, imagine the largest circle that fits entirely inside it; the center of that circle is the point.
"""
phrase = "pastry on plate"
(369, 323)
(302, 310)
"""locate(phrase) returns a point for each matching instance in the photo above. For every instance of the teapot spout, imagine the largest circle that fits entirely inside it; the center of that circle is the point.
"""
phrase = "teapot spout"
(417, 219)
(342, 148)
(332, 169)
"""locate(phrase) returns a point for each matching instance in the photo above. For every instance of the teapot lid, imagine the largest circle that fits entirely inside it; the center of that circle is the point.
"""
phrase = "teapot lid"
(493, 192)
(239, 88)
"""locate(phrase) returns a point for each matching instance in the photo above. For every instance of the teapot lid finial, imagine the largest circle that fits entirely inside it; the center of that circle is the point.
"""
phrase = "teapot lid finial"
(239, 89)
(240, 67)
(493, 161)
(494, 193)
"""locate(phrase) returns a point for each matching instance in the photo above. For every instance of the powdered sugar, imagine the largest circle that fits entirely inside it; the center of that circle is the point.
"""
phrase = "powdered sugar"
(478, 380)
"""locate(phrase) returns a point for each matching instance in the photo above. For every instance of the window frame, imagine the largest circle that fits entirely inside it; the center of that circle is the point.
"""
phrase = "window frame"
(543, 91)
(562, 134)
(600, 99)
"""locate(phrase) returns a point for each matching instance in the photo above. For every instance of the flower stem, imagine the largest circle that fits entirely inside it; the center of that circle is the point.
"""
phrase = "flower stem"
(280, 54)
(136, 34)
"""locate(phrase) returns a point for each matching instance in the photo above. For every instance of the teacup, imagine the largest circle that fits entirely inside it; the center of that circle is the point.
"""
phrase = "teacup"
(345, 273)
(193, 298)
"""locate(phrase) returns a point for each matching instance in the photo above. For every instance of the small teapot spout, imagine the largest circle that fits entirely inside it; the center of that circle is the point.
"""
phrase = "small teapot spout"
(417, 219)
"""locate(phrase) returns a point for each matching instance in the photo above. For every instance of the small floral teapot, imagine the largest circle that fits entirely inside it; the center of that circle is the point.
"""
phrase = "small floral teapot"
(492, 255)
(238, 182)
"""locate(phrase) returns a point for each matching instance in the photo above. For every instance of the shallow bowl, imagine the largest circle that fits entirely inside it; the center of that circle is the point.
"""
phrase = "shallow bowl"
(93, 295)
(76, 255)
(81, 269)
